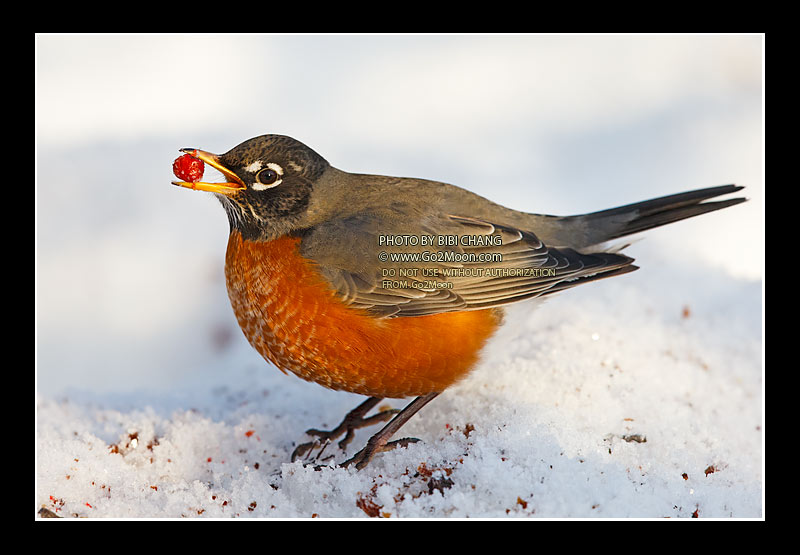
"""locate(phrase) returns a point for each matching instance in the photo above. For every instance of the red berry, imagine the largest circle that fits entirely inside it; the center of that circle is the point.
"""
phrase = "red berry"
(188, 168)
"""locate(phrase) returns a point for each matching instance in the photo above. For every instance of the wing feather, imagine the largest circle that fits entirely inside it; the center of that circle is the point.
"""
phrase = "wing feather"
(523, 268)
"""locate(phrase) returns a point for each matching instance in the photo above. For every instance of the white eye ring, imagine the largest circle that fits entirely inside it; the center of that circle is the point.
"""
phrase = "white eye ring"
(258, 186)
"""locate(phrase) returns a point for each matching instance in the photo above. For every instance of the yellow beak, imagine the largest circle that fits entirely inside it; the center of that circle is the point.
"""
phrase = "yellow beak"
(233, 185)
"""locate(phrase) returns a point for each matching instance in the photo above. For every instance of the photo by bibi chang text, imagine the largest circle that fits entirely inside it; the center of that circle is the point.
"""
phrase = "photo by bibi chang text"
(440, 240)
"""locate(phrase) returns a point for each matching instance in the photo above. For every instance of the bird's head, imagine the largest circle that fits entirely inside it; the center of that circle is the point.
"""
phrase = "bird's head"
(269, 181)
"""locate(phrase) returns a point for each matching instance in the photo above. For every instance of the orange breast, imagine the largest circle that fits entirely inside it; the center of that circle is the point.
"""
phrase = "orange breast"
(294, 319)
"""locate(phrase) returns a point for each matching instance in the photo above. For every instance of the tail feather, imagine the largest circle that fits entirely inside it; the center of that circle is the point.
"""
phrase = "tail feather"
(643, 223)
(606, 225)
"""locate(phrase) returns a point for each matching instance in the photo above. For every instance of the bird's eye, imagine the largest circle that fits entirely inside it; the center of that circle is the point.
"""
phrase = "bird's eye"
(267, 176)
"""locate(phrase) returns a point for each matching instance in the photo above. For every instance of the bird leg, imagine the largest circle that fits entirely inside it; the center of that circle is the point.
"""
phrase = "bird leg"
(353, 421)
(380, 441)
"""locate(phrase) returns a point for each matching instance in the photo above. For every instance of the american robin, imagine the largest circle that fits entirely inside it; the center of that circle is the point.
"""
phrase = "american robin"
(388, 286)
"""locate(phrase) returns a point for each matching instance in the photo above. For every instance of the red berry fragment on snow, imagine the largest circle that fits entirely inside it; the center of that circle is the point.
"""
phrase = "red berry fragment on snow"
(188, 168)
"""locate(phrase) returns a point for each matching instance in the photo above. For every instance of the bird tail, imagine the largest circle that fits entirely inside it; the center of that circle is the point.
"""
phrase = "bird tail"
(606, 225)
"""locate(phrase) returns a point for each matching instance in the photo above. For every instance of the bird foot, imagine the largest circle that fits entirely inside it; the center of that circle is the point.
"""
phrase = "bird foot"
(377, 443)
(353, 421)
(362, 458)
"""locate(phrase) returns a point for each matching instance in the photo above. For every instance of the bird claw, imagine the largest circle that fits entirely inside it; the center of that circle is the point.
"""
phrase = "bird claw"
(302, 449)
(353, 421)
(362, 458)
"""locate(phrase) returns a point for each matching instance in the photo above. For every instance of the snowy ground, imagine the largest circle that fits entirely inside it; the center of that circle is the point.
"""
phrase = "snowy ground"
(634, 397)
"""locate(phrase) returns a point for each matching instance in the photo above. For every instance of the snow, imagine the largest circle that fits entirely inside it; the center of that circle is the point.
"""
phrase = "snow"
(640, 396)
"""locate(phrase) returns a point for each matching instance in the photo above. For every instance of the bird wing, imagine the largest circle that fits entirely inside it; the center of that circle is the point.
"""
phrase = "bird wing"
(481, 265)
